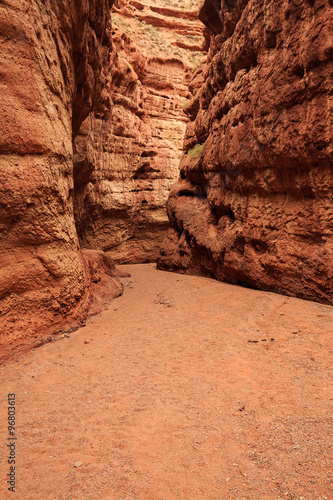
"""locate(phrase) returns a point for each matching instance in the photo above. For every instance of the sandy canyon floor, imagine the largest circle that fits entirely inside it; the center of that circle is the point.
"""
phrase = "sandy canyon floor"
(184, 388)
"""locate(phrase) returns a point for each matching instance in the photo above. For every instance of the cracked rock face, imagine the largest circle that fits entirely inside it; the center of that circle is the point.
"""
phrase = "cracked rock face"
(52, 57)
(253, 205)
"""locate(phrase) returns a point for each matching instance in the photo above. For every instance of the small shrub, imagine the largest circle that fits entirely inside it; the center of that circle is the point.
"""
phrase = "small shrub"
(196, 151)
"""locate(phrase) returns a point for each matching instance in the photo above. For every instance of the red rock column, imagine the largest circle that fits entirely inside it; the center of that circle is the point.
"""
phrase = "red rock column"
(253, 205)
(42, 277)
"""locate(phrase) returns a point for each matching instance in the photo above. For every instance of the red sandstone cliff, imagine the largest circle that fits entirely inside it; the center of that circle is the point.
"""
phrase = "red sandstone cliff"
(253, 205)
(127, 159)
(52, 62)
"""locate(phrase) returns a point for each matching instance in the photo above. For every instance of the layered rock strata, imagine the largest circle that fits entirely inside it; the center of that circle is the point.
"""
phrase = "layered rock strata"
(253, 205)
(52, 74)
(126, 160)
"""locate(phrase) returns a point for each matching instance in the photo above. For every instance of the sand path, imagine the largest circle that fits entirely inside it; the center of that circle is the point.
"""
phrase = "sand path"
(184, 388)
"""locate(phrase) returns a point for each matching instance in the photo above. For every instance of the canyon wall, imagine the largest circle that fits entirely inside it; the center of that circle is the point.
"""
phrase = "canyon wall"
(127, 158)
(253, 205)
(52, 61)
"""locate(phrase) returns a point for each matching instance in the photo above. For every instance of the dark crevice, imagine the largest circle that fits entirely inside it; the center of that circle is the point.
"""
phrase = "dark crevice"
(147, 154)
(144, 172)
(271, 39)
(219, 212)
(259, 245)
(246, 284)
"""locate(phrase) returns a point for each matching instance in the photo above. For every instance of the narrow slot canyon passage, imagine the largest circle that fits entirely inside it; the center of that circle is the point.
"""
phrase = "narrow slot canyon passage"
(183, 388)
(166, 249)
(127, 157)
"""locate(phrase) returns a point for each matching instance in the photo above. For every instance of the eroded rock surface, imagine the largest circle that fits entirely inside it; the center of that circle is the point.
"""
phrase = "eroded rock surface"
(253, 205)
(52, 74)
(127, 159)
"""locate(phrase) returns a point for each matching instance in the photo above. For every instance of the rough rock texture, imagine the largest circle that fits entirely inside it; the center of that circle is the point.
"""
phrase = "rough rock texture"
(253, 205)
(51, 64)
(127, 159)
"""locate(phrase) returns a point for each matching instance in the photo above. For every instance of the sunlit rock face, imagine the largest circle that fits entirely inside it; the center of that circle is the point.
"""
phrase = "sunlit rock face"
(127, 159)
(51, 62)
(253, 204)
